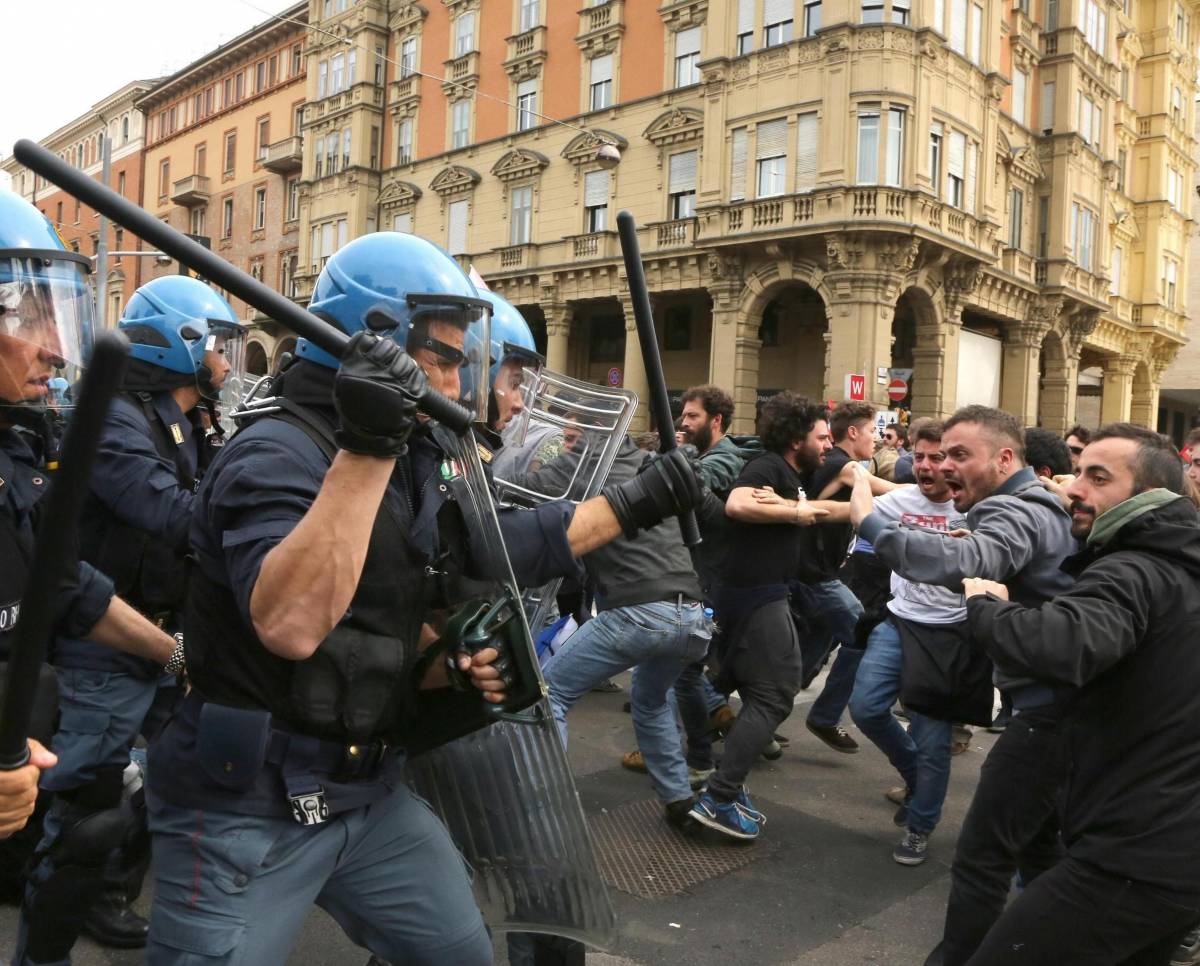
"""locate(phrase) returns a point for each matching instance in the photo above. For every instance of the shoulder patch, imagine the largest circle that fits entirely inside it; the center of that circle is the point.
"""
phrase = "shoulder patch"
(485, 454)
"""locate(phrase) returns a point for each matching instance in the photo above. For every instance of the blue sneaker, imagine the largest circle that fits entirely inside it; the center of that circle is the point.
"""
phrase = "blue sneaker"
(724, 817)
(746, 807)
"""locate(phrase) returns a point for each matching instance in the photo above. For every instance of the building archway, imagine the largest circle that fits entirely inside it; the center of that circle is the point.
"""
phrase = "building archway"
(256, 358)
(283, 347)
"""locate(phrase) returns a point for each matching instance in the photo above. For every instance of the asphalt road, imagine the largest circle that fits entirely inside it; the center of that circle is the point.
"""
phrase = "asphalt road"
(818, 889)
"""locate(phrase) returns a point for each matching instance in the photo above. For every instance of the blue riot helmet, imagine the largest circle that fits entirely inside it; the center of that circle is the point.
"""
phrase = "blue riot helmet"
(515, 363)
(46, 311)
(407, 289)
(183, 333)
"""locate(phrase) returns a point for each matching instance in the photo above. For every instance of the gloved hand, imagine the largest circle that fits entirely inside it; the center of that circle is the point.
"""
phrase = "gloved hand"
(376, 391)
(666, 486)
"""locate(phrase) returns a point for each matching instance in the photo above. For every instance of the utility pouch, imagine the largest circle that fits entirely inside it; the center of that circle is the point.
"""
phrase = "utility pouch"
(232, 744)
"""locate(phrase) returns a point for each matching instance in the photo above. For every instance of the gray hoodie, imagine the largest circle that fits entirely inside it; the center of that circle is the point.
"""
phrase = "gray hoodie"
(1020, 536)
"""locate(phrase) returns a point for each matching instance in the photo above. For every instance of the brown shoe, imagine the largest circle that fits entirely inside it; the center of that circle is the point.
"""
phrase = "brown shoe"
(722, 719)
(836, 737)
(634, 761)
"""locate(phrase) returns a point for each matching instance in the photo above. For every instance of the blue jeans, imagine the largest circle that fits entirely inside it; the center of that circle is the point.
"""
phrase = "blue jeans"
(833, 611)
(660, 639)
(237, 889)
(922, 753)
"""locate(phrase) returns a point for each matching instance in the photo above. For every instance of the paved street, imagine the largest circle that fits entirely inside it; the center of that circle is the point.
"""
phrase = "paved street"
(819, 889)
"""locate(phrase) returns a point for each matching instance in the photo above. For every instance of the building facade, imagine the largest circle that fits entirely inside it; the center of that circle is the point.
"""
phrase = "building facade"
(80, 142)
(222, 160)
(990, 195)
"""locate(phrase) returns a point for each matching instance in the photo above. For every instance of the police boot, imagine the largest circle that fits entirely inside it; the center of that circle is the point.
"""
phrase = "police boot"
(113, 923)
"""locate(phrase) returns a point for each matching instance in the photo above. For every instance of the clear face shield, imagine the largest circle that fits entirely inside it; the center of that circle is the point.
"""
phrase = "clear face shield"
(448, 336)
(46, 328)
(222, 379)
(513, 385)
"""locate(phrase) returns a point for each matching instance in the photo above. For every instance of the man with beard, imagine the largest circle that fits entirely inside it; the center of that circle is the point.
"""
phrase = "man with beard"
(1123, 640)
(1020, 534)
(922, 753)
(761, 654)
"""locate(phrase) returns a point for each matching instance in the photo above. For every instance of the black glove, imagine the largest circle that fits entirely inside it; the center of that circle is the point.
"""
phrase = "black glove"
(666, 487)
(376, 392)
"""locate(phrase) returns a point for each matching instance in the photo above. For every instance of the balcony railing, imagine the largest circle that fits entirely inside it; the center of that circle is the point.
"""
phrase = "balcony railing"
(190, 191)
(286, 156)
(673, 234)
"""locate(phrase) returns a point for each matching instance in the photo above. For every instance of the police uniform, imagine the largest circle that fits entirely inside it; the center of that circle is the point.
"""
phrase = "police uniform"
(278, 785)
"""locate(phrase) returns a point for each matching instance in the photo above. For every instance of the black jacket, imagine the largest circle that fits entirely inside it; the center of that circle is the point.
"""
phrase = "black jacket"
(1128, 635)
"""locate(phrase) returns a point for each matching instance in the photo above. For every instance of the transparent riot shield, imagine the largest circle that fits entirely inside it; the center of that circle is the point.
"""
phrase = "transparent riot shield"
(505, 791)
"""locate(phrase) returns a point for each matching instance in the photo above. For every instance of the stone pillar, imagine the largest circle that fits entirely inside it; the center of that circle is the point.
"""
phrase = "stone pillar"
(1118, 388)
(1021, 370)
(1144, 407)
(558, 332)
(860, 328)
(1060, 382)
(734, 347)
(935, 368)
(634, 368)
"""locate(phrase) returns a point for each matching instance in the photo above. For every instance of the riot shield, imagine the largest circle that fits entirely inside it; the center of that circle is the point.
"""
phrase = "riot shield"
(505, 792)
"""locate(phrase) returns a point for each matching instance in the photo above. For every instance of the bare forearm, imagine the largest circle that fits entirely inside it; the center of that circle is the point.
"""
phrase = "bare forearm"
(593, 525)
(307, 581)
(124, 629)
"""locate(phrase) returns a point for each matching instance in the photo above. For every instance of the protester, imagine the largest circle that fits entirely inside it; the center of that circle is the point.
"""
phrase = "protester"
(1122, 639)
(1077, 438)
(1046, 453)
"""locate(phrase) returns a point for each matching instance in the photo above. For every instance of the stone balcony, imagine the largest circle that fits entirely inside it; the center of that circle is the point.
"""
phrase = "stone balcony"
(191, 191)
(460, 72)
(526, 53)
(600, 27)
(361, 93)
(406, 94)
(286, 156)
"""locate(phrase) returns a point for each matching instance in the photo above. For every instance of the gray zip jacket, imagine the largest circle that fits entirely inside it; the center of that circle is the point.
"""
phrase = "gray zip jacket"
(1020, 536)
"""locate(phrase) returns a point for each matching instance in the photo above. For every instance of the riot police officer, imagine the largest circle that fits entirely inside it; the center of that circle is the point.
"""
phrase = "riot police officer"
(515, 362)
(327, 536)
(134, 529)
(46, 333)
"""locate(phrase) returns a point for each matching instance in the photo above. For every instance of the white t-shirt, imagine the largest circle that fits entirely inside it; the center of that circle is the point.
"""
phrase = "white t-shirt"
(926, 603)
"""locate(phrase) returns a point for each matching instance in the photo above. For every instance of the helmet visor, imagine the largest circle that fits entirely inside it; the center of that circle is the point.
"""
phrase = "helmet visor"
(46, 326)
(448, 336)
(514, 383)
(226, 382)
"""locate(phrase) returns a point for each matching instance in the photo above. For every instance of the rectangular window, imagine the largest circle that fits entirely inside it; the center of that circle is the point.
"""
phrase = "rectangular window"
(936, 135)
(456, 241)
(297, 60)
(1114, 284)
(319, 157)
(1086, 109)
(342, 236)
(402, 221)
(1180, 24)
(872, 11)
(595, 201)
(227, 92)
(404, 141)
(807, 141)
(777, 22)
(164, 179)
(745, 26)
(771, 157)
(812, 17)
(460, 124)
(327, 248)
(298, 119)
(379, 61)
(201, 160)
(1125, 84)
(1170, 280)
(121, 183)
(408, 56)
(939, 16)
(1043, 245)
(260, 76)
(374, 158)
(260, 207)
(227, 218)
(239, 85)
(520, 227)
(600, 93)
(1020, 84)
(894, 161)
(331, 153)
(1122, 159)
(531, 14)
(322, 79)
(337, 73)
(737, 165)
(273, 71)
(1051, 15)
(956, 166)
(464, 34)
(976, 34)
(1095, 25)
(868, 145)
(1046, 114)
(958, 26)
(264, 137)
(687, 57)
(900, 11)
(351, 61)
(1016, 215)
(527, 105)
(972, 157)
(197, 220)
(293, 199)
(1177, 105)
(345, 149)
(681, 184)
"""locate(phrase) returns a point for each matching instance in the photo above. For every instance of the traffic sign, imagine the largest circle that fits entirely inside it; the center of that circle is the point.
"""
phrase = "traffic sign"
(897, 390)
(856, 387)
(614, 376)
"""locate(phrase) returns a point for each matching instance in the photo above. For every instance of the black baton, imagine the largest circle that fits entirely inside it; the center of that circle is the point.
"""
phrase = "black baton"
(212, 266)
(51, 554)
(660, 404)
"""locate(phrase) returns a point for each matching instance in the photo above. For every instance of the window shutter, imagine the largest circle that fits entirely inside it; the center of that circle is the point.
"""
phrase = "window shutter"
(595, 188)
(808, 133)
(602, 69)
(976, 33)
(525, 88)
(939, 16)
(969, 181)
(687, 42)
(955, 157)
(458, 227)
(772, 139)
(737, 173)
(745, 17)
(1046, 117)
(683, 172)
(777, 11)
(1018, 95)
(403, 222)
(958, 25)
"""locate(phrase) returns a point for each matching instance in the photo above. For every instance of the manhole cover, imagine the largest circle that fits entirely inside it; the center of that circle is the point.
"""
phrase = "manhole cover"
(641, 854)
